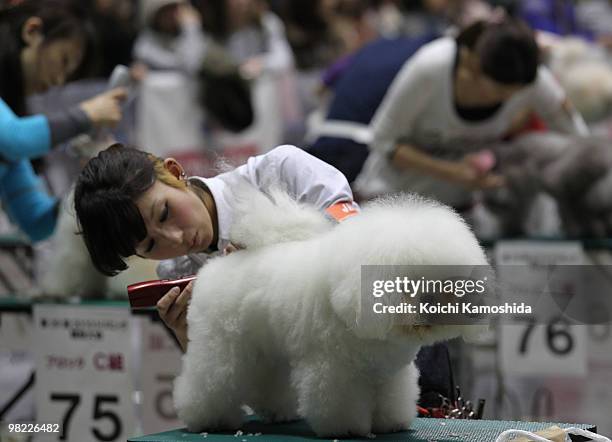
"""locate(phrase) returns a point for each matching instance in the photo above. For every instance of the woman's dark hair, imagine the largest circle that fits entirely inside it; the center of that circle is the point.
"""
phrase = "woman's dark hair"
(224, 93)
(60, 19)
(216, 18)
(507, 49)
(104, 201)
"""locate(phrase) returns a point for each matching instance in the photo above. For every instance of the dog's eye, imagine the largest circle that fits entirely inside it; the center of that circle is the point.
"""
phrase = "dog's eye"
(164, 214)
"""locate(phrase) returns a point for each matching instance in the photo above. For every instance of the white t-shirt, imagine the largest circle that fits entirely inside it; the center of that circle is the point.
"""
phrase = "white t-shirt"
(419, 109)
(306, 178)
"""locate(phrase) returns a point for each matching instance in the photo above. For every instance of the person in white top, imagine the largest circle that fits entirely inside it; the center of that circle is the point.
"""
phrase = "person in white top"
(172, 38)
(452, 99)
(129, 202)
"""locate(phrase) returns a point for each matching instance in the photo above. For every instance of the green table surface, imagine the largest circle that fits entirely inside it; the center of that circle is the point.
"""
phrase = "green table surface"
(422, 430)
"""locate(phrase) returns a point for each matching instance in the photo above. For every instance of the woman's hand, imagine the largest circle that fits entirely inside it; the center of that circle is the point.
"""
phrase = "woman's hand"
(230, 248)
(465, 174)
(105, 109)
(252, 68)
(172, 308)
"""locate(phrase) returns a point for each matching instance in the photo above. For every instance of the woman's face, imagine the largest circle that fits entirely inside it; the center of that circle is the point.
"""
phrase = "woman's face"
(47, 63)
(57, 60)
(477, 85)
(176, 220)
(167, 20)
(493, 92)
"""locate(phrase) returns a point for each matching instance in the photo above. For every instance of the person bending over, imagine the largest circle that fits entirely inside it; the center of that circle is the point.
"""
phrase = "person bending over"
(129, 202)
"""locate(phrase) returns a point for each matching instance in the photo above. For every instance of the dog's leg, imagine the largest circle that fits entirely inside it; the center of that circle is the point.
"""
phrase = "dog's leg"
(333, 399)
(210, 390)
(396, 401)
(274, 398)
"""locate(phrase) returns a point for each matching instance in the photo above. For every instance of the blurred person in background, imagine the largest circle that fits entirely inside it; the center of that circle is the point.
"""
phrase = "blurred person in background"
(452, 99)
(115, 29)
(376, 65)
(44, 43)
(554, 16)
(253, 36)
(322, 31)
(596, 16)
(171, 37)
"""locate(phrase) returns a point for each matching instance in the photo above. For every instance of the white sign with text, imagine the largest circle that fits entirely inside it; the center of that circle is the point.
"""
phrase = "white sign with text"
(161, 363)
(84, 382)
(554, 348)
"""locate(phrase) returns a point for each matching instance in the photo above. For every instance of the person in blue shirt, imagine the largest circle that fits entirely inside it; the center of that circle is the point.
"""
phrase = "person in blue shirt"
(358, 91)
(555, 16)
(44, 43)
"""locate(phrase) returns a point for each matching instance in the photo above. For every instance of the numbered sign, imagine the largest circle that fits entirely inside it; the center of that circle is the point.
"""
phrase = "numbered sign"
(83, 369)
(161, 363)
(555, 347)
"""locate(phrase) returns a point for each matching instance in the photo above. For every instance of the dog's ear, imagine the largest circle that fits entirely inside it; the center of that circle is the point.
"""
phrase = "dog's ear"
(354, 309)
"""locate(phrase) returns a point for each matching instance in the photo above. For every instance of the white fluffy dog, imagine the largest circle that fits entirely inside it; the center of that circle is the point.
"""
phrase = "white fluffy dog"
(278, 326)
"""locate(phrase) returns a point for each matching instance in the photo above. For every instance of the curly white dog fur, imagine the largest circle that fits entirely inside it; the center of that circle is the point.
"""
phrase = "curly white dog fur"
(278, 326)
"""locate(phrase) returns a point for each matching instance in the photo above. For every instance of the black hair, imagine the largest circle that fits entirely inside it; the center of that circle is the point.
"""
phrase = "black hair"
(104, 201)
(60, 19)
(507, 50)
(216, 18)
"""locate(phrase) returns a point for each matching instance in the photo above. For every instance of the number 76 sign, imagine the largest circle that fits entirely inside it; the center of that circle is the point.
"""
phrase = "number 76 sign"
(552, 348)
(83, 372)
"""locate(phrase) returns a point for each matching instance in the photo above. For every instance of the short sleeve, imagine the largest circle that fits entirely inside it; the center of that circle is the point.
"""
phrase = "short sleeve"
(306, 178)
(552, 105)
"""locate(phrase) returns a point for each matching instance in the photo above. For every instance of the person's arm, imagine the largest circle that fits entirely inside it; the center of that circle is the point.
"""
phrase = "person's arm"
(279, 56)
(26, 137)
(461, 172)
(33, 136)
(26, 202)
(192, 44)
(66, 124)
(554, 107)
(306, 178)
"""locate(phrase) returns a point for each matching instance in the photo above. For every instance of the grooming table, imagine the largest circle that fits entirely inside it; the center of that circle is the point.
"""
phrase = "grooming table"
(422, 430)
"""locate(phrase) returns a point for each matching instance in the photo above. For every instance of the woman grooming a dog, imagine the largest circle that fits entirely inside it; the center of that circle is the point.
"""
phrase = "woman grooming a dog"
(129, 202)
(44, 42)
(452, 99)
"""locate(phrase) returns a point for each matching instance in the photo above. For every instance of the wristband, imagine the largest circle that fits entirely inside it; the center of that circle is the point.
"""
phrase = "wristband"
(341, 211)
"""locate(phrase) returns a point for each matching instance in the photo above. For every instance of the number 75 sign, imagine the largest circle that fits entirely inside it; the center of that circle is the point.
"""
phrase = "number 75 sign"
(83, 372)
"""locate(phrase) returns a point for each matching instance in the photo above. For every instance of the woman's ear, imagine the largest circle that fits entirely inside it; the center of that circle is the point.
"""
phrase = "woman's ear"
(31, 32)
(469, 60)
(174, 167)
(474, 63)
